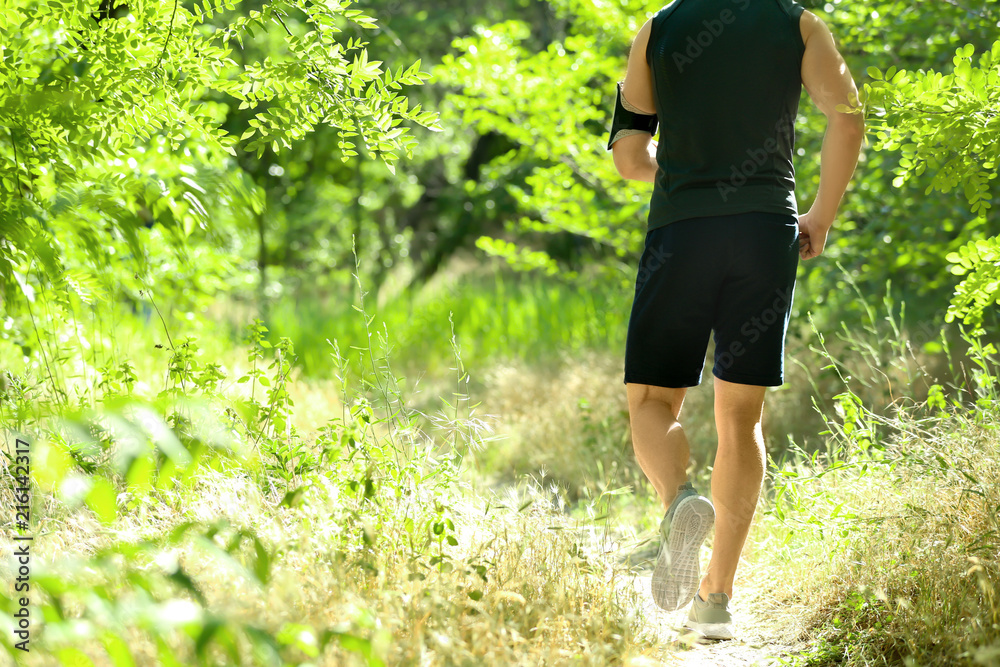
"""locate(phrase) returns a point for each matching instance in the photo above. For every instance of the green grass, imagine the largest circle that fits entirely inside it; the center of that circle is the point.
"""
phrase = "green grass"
(189, 517)
(363, 521)
(887, 554)
(496, 314)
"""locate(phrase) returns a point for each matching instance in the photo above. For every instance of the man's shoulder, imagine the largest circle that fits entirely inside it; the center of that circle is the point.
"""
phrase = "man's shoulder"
(810, 24)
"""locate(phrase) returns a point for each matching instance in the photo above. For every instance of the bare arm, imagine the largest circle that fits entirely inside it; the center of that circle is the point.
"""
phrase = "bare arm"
(635, 155)
(829, 83)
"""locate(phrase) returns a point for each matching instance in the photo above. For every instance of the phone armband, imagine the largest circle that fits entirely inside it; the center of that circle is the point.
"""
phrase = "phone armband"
(628, 120)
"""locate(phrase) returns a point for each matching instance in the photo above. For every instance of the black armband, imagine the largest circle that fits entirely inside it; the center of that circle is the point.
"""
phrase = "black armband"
(628, 120)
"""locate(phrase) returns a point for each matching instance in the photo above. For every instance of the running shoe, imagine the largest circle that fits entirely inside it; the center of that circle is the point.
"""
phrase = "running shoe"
(677, 574)
(711, 619)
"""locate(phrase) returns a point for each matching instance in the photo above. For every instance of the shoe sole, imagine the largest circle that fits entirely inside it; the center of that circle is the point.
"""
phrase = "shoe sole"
(711, 630)
(677, 574)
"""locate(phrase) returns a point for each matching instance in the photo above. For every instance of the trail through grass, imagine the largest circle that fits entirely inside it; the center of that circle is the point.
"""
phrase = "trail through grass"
(205, 504)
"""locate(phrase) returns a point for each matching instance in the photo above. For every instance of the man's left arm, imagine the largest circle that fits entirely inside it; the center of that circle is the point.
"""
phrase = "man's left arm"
(635, 153)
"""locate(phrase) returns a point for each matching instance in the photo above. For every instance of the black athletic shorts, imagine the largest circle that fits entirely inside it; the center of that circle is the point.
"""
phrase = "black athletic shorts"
(733, 275)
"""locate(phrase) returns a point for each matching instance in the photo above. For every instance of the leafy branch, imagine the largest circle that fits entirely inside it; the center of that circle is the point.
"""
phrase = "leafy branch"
(949, 123)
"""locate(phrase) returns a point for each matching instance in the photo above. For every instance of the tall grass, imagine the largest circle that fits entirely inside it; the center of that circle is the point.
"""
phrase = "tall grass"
(497, 315)
(876, 544)
(201, 503)
(884, 547)
(205, 524)
(536, 334)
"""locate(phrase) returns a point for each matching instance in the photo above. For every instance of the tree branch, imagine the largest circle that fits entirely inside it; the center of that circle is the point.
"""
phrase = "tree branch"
(170, 34)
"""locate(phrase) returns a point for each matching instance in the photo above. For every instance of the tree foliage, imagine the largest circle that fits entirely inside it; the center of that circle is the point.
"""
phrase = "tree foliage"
(118, 132)
(553, 104)
(556, 104)
(949, 125)
(124, 123)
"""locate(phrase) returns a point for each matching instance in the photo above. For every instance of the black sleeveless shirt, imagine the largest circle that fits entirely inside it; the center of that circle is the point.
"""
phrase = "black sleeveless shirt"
(727, 82)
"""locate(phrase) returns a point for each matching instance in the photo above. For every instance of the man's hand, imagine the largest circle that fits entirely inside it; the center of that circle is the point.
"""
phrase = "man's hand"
(812, 235)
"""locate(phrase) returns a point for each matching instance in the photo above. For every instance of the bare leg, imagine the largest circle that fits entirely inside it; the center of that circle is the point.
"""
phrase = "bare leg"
(661, 448)
(736, 479)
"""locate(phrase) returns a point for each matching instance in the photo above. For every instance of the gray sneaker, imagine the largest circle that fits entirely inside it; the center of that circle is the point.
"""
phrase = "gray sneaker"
(712, 619)
(677, 574)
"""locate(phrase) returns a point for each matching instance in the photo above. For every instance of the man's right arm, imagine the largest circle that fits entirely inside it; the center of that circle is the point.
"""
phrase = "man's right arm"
(829, 83)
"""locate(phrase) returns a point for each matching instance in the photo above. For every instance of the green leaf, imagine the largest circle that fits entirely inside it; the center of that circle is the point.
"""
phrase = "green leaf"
(262, 564)
(139, 475)
(117, 649)
(73, 657)
(102, 499)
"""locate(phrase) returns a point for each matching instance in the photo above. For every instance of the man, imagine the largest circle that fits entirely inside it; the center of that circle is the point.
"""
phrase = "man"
(722, 79)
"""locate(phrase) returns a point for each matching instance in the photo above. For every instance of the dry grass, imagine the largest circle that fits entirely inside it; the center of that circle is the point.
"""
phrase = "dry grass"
(870, 563)
(906, 569)
(570, 421)
(553, 593)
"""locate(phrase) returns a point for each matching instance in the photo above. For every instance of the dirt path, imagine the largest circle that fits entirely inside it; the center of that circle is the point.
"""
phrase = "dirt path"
(759, 641)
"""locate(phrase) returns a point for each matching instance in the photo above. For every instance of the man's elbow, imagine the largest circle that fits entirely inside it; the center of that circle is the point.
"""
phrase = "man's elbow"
(626, 164)
(849, 125)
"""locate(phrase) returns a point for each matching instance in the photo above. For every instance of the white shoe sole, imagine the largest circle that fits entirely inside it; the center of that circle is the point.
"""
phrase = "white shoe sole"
(677, 574)
(711, 630)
